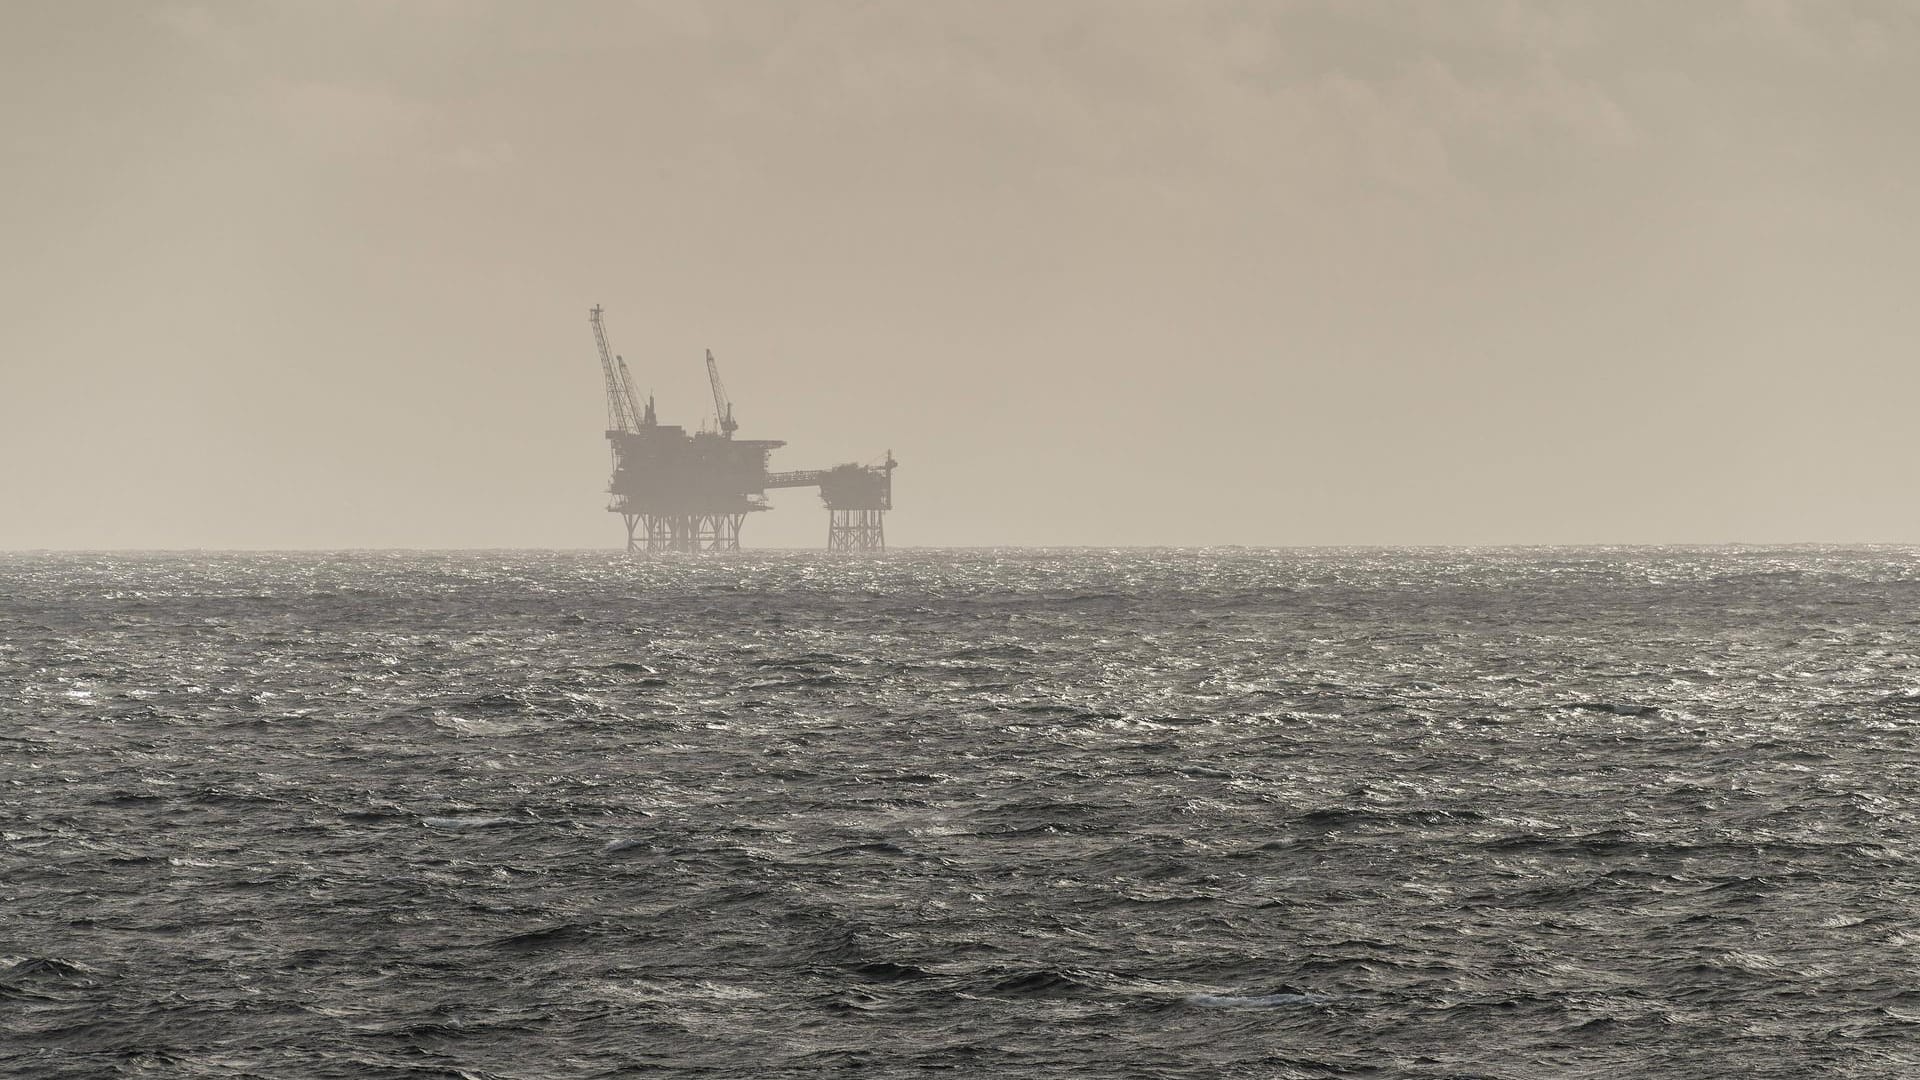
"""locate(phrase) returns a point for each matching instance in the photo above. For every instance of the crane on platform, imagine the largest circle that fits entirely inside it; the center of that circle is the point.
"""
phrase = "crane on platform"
(722, 405)
(623, 413)
(626, 380)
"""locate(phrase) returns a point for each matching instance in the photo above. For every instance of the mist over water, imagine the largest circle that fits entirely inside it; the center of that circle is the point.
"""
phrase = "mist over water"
(1574, 812)
(1312, 272)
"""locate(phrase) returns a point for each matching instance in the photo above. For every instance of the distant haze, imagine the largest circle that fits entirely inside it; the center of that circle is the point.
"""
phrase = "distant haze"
(317, 274)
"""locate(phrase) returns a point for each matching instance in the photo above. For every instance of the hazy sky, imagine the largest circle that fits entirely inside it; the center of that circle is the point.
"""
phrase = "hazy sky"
(317, 274)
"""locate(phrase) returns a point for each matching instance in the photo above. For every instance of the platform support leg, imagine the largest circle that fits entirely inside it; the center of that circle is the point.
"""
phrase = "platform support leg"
(856, 530)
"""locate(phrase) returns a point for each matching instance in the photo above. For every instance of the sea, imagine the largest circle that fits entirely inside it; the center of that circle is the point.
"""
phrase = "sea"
(1220, 813)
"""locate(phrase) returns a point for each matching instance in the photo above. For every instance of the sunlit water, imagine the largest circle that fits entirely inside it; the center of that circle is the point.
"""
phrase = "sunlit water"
(1571, 813)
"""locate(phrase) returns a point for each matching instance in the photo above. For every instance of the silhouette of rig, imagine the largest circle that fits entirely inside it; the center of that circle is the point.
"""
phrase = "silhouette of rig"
(690, 491)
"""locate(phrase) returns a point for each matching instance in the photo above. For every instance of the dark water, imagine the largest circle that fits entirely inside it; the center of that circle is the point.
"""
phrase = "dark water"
(1574, 813)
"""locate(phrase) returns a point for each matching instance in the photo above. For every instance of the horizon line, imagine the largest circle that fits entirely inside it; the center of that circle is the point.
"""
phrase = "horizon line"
(641, 556)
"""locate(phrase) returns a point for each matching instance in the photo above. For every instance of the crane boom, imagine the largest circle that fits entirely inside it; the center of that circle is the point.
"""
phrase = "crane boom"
(722, 407)
(623, 413)
(626, 381)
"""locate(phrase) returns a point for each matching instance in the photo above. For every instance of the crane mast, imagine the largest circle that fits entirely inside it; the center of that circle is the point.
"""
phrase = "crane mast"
(623, 413)
(722, 407)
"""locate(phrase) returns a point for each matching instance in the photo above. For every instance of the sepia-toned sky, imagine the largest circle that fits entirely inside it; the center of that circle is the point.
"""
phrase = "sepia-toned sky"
(1098, 272)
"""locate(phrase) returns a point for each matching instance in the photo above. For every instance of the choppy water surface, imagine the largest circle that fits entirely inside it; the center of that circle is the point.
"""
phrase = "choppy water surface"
(1582, 813)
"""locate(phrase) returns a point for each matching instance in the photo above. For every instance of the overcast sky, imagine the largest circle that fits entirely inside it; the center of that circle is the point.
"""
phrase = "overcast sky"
(317, 274)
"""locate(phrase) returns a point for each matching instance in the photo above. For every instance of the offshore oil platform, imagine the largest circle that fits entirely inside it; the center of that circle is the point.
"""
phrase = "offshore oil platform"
(690, 491)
